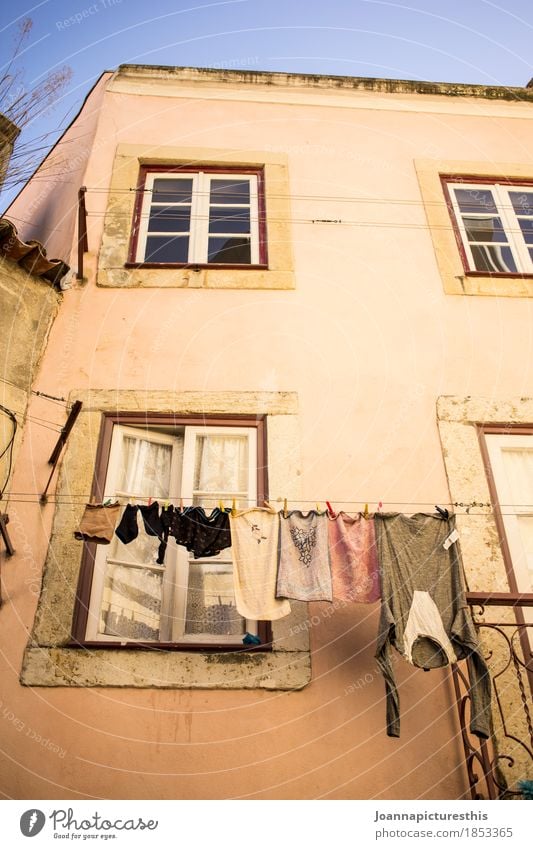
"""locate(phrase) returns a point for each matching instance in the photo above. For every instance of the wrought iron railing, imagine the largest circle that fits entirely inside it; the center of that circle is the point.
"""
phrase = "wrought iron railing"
(505, 626)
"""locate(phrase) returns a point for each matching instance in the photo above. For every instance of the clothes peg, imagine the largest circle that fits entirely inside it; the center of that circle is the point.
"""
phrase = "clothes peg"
(285, 508)
(330, 510)
(221, 505)
(181, 504)
(443, 513)
(380, 506)
(365, 512)
(318, 510)
(149, 500)
(165, 505)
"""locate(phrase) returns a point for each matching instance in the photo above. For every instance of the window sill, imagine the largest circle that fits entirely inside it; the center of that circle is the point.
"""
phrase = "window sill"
(195, 266)
(493, 284)
(152, 275)
(206, 648)
(112, 667)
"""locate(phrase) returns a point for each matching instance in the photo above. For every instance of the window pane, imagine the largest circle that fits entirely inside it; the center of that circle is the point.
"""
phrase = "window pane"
(484, 229)
(211, 601)
(230, 191)
(475, 200)
(227, 220)
(131, 604)
(172, 191)
(522, 202)
(167, 249)
(236, 251)
(526, 226)
(525, 529)
(169, 219)
(493, 258)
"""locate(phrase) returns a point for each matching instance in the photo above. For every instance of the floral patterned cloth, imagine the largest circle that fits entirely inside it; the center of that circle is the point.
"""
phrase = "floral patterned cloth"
(303, 570)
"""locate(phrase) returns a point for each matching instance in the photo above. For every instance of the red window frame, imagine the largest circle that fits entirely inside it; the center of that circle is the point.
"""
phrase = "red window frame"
(189, 169)
(484, 181)
(83, 592)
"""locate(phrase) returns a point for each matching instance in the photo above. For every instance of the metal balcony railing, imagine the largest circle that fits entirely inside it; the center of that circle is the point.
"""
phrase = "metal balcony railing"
(495, 767)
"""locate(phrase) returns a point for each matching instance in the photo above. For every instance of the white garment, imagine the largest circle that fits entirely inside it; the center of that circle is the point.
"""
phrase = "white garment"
(254, 548)
(424, 620)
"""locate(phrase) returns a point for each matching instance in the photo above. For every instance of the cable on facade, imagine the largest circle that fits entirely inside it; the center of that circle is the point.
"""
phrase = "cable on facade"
(9, 447)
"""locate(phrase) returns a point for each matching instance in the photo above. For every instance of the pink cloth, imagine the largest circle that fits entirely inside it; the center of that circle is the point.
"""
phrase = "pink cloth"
(353, 558)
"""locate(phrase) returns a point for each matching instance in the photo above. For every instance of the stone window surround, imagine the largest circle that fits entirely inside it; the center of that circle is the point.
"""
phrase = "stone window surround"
(459, 419)
(50, 662)
(455, 280)
(113, 260)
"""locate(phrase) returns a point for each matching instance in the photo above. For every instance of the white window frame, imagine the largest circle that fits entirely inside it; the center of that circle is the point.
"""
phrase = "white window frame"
(505, 211)
(199, 223)
(190, 495)
(175, 569)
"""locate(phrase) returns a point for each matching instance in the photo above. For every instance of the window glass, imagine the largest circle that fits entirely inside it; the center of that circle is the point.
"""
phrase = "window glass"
(495, 224)
(201, 219)
(167, 249)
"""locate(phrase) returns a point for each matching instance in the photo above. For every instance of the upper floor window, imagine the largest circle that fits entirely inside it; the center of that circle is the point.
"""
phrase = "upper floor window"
(494, 225)
(199, 217)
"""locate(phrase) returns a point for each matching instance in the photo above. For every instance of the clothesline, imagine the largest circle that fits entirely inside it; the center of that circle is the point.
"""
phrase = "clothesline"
(385, 508)
(295, 500)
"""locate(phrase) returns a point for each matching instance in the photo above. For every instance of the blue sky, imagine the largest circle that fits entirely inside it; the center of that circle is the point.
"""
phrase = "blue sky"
(477, 41)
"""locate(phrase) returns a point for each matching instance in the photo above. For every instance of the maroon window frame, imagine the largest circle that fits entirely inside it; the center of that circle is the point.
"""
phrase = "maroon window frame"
(482, 181)
(83, 592)
(189, 169)
(506, 428)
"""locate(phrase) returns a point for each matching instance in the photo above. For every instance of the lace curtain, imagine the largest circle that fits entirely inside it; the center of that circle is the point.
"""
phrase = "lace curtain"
(145, 468)
(221, 464)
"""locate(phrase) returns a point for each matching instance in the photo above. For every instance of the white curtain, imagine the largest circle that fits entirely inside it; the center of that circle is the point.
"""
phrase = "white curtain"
(222, 464)
(145, 468)
(518, 463)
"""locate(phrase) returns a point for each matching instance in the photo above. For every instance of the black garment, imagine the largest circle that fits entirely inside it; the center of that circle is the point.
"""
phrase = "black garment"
(152, 522)
(127, 529)
(167, 515)
(204, 535)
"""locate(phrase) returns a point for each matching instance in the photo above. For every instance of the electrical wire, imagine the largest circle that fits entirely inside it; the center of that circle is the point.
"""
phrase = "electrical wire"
(52, 398)
(9, 447)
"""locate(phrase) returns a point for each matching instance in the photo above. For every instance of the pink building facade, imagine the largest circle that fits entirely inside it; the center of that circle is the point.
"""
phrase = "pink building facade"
(289, 287)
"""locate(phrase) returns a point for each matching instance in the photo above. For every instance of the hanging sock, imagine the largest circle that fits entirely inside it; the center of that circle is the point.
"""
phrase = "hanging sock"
(167, 515)
(127, 529)
(98, 523)
(151, 519)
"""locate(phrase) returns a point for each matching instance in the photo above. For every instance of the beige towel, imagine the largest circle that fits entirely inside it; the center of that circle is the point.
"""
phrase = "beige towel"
(354, 559)
(254, 547)
(98, 523)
